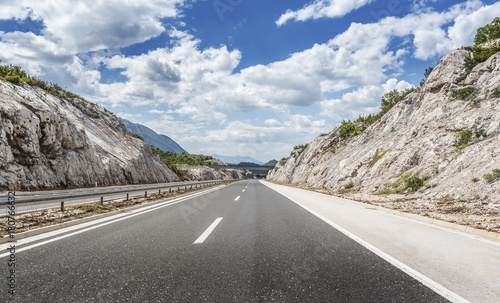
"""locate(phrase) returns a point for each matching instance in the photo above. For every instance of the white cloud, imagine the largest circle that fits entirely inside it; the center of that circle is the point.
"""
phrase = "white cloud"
(463, 31)
(157, 112)
(128, 116)
(90, 25)
(273, 122)
(322, 9)
(430, 32)
(260, 142)
(73, 29)
(365, 100)
(201, 85)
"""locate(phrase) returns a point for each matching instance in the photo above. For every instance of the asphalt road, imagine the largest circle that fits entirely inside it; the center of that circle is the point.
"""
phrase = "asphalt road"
(242, 243)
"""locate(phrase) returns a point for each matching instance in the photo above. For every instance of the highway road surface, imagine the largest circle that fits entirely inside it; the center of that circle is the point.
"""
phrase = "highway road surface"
(243, 242)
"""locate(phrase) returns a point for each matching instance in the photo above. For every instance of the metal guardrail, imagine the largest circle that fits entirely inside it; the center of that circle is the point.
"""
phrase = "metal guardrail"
(106, 194)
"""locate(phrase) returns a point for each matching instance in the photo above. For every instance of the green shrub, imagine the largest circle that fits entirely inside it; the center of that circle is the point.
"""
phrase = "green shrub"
(485, 34)
(488, 32)
(495, 93)
(462, 137)
(348, 129)
(13, 79)
(300, 148)
(283, 161)
(466, 93)
(136, 135)
(349, 185)
(184, 158)
(414, 183)
(493, 176)
(427, 72)
(481, 133)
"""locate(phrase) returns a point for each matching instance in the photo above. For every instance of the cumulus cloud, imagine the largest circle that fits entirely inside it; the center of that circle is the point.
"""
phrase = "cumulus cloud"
(431, 33)
(260, 142)
(90, 25)
(74, 29)
(364, 100)
(127, 116)
(322, 9)
(201, 83)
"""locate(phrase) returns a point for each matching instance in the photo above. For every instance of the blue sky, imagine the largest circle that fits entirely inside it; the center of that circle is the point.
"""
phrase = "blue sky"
(236, 77)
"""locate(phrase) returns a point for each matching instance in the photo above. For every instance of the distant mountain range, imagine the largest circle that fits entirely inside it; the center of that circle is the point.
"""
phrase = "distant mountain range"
(236, 159)
(152, 138)
(271, 163)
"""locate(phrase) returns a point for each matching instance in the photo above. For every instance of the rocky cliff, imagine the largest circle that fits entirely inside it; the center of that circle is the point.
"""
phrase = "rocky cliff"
(445, 135)
(51, 142)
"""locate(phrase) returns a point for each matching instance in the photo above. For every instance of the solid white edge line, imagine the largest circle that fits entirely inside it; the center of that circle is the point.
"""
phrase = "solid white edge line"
(436, 287)
(207, 232)
(237, 198)
(111, 220)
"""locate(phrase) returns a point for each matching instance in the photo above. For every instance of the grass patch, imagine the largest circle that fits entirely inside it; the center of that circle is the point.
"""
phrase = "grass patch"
(283, 161)
(466, 93)
(332, 150)
(495, 93)
(349, 185)
(406, 182)
(456, 209)
(375, 160)
(462, 138)
(490, 178)
(307, 177)
(136, 135)
(414, 183)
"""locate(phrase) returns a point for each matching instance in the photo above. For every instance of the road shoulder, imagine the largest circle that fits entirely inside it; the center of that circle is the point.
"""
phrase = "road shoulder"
(466, 264)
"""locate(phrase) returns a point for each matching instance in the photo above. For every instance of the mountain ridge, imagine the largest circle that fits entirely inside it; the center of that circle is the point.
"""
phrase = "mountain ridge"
(151, 137)
(236, 159)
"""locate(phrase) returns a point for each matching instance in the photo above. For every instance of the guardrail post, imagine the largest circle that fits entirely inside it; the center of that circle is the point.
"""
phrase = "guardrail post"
(127, 196)
(102, 200)
(146, 194)
(170, 190)
(159, 192)
(62, 205)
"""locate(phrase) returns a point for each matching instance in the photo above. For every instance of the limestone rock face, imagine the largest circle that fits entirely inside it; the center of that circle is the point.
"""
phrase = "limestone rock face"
(417, 137)
(48, 142)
